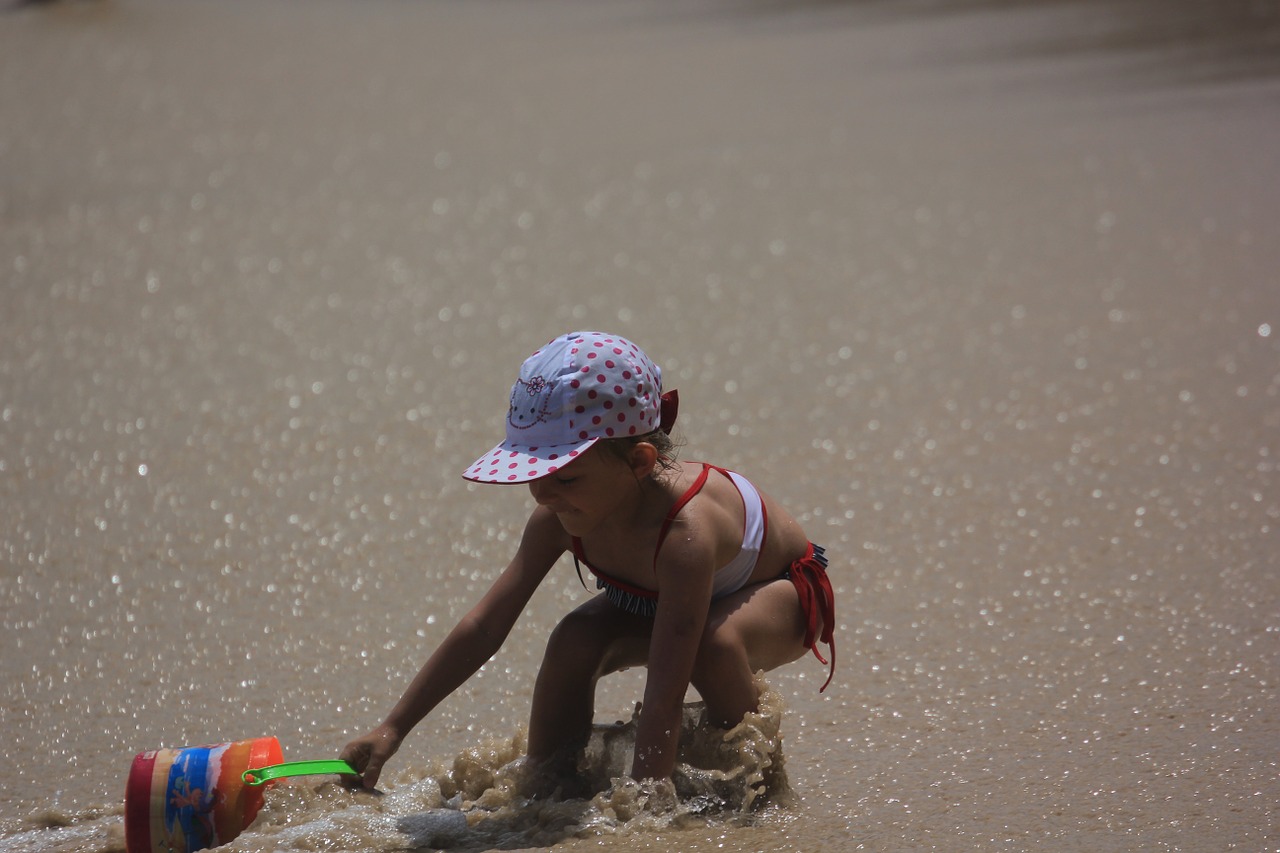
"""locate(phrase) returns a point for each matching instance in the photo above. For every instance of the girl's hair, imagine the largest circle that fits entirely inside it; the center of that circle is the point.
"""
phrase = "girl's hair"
(666, 446)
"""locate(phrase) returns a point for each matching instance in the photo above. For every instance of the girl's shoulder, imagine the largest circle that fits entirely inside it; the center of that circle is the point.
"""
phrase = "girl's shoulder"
(720, 508)
(708, 507)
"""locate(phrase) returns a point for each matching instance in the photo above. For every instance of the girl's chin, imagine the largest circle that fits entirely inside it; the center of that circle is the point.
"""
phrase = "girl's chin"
(574, 523)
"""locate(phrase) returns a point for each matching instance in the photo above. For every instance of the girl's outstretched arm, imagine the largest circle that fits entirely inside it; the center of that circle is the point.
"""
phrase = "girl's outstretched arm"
(685, 576)
(475, 639)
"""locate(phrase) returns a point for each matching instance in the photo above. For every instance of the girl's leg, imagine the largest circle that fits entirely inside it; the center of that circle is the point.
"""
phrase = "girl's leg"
(757, 628)
(593, 640)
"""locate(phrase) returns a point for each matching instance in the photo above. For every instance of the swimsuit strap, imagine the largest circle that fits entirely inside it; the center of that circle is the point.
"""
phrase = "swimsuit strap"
(688, 495)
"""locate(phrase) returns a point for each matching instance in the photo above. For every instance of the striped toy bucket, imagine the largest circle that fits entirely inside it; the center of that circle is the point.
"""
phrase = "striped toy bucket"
(182, 800)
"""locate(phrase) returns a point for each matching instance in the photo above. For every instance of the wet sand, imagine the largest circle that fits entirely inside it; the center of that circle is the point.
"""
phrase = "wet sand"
(985, 291)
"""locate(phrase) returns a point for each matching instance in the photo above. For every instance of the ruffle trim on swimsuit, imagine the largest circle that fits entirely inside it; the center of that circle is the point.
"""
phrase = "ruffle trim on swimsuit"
(632, 599)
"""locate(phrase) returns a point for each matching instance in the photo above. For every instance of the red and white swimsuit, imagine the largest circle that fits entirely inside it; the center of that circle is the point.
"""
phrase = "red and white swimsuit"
(808, 573)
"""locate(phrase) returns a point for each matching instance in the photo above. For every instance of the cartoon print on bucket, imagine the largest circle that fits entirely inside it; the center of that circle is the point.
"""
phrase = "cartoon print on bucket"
(193, 798)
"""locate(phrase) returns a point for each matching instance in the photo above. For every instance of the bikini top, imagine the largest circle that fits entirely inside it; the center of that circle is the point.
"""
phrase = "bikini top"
(730, 577)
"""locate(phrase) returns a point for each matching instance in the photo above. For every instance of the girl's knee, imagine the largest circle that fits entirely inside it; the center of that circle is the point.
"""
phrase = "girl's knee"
(723, 678)
(596, 642)
(721, 653)
(576, 636)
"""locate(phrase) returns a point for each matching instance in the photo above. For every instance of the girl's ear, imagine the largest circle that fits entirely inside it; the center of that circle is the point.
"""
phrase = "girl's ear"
(642, 459)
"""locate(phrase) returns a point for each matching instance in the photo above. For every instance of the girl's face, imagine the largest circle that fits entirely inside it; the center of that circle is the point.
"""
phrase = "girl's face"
(587, 491)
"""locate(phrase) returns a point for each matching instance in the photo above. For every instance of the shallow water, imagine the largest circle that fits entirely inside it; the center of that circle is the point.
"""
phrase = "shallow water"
(984, 291)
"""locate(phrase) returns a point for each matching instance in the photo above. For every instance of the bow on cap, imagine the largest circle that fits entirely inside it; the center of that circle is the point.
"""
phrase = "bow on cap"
(667, 410)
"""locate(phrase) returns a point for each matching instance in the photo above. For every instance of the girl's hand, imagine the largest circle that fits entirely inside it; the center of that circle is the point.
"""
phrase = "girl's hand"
(367, 754)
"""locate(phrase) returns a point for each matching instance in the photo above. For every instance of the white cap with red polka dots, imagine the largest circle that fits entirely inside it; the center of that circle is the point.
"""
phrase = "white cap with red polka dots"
(578, 389)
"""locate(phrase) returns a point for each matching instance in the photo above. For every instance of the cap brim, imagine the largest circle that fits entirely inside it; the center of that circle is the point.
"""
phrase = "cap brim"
(516, 463)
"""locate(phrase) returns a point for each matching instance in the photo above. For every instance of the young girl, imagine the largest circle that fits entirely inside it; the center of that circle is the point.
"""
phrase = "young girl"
(706, 580)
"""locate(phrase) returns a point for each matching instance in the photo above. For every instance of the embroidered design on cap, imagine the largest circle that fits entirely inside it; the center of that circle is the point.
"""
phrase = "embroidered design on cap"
(578, 389)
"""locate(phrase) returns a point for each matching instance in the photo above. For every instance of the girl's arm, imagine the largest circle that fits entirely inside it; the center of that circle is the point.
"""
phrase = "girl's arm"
(685, 575)
(475, 639)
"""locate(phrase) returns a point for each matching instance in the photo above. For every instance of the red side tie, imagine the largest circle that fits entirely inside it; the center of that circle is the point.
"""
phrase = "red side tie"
(809, 577)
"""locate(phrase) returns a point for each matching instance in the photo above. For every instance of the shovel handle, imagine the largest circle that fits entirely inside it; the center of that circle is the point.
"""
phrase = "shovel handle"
(262, 775)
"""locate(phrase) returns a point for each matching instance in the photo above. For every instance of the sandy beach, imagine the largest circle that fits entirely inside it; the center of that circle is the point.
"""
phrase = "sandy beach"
(987, 292)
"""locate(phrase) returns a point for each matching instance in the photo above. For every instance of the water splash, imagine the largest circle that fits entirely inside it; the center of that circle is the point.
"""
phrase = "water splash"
(487, 797)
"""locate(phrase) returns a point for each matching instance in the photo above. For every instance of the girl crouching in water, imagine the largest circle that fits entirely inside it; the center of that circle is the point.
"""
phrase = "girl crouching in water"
(706, 580)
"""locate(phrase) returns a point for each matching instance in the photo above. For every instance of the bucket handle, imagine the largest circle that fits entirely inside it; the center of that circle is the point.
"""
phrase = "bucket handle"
(262, 775)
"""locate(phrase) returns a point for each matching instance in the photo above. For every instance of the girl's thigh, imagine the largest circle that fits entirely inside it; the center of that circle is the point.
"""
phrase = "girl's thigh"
(766, 619)
(619, 639)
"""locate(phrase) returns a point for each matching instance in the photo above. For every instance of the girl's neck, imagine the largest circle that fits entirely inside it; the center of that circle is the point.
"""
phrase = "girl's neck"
(639, 514)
